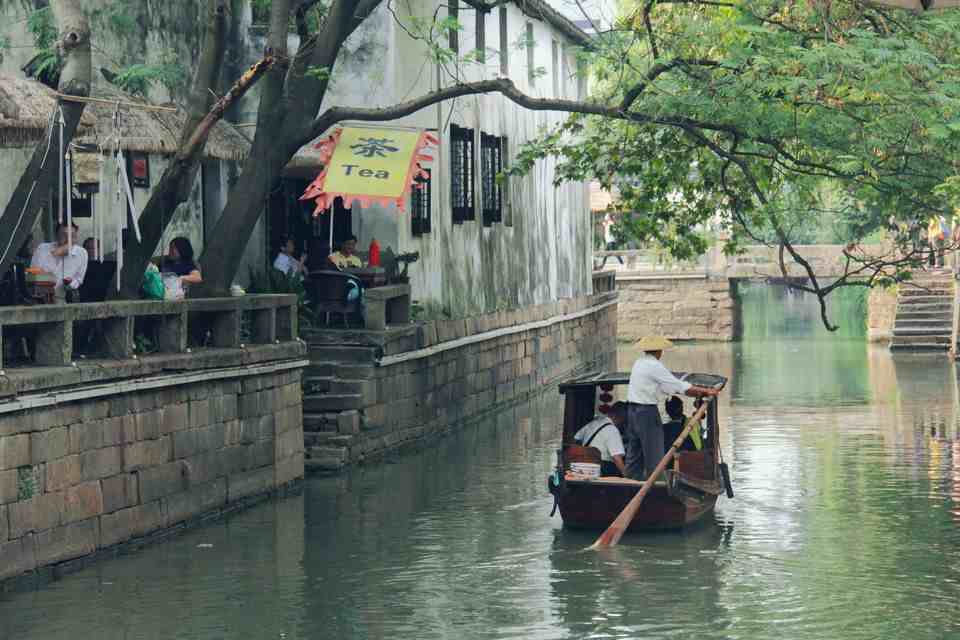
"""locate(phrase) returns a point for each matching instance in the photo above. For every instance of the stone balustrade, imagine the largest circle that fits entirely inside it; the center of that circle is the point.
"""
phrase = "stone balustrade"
(273, 318)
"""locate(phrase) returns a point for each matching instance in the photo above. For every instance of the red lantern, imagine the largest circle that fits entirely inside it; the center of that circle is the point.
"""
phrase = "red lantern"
(606, 397)
(606, 387)
(604, 409)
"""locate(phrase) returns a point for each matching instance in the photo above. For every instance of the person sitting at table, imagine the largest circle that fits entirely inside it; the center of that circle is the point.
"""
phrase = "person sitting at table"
(179, 261)
(285, 261)
(346, 258)
(91, 246)
(64, 259)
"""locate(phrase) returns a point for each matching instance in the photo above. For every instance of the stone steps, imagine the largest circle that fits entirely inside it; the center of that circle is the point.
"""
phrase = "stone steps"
(332, 402)
(349, 354)
(317, 422)
(325, 459)
(326, 439)
(342, 370)
(924, 320)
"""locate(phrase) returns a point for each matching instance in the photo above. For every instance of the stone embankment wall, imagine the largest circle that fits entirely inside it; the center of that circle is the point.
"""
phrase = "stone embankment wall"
(679, 307)
(105, 452)
(881, 313)
(364, 400)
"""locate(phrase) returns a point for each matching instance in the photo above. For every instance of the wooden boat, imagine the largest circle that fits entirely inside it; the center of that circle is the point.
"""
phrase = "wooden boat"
(687, 493)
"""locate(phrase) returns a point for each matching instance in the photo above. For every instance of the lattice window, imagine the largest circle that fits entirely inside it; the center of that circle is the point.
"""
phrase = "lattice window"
(462, 172)
(420, 205)
(491, 164)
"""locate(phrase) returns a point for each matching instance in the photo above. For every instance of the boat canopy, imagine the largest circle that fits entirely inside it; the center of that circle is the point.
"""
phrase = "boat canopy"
(620, 378)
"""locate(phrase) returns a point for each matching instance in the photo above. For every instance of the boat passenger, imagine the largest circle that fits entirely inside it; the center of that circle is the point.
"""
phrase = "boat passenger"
(603, 433)
(649, 381)
(674, 426)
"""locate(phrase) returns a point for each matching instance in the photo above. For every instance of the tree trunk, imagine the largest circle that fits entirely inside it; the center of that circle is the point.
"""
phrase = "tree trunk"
(176, 182)
(288, 104)
(42, 173)
(179, 176)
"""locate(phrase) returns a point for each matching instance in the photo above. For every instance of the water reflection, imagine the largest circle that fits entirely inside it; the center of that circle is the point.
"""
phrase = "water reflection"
(846, 524)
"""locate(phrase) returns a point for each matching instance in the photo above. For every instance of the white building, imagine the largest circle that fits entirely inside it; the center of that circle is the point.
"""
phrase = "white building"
(474, 256)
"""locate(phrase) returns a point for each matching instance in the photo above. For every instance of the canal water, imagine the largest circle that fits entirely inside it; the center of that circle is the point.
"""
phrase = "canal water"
(846, 523)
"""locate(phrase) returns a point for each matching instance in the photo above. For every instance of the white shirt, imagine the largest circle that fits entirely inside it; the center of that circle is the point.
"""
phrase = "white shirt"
(607, 441)
(650, 381)
(286, 264)
(73, 265)
(608, 229)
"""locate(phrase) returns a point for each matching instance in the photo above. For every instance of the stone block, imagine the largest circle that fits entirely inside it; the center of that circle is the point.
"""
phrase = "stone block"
(150, 424)
(94, 410)
(224, 408)
(261, 454)
(86, 436)
(233, 433)
(101, 463)
(8, 486)
(67, 542)
(17, 557)
(196, 501)
(164, 480)
(120, 405)
(14, 451)
(348, 423)
(130, 523)
(288, 444)
(62, 473)
(81, 502)
(211, 438)
(186, 443)
(288, 470)
(119, 492)
(49, 445)
(36, 514)
(248, 405)
(250, 483)
(175, 418)
(249, 430)
(199, 413)
(113, 431)
(205, 467)
(148, 453)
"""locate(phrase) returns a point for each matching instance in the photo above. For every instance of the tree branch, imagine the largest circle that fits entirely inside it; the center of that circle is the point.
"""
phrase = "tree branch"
(659, 69)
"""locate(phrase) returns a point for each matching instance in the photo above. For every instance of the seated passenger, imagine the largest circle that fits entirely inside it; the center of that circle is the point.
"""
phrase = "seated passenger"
(673, 427)
(603, 433)
(346, 258)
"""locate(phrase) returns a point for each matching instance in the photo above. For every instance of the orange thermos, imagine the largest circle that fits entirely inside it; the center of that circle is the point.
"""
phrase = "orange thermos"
(374, 253)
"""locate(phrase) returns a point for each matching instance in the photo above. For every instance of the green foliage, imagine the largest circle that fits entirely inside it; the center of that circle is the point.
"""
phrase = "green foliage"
(26, 483)
(272, 280)
(42, 27)
(168, 73)
(781, 122)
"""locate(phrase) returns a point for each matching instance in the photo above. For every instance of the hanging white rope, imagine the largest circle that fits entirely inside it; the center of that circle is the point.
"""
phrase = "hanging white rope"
(134, 214)
(68, 162)
(62, 151)
(98, 217)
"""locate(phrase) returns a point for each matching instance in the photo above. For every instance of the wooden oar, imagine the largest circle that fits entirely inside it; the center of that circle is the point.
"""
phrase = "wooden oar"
(615, 531)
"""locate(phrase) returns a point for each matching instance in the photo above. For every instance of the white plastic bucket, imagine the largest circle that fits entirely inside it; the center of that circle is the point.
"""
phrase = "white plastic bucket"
(588, 469)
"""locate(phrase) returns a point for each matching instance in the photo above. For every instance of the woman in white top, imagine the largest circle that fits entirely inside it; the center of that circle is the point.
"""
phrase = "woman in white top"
(285, 261)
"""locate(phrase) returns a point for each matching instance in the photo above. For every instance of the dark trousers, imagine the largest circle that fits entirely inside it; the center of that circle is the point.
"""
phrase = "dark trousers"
(643, 440)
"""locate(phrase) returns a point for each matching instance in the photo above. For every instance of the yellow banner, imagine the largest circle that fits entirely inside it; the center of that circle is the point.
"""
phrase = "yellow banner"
(371, 163)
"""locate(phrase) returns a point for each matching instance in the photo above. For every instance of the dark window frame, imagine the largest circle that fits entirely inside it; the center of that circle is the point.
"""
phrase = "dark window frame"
(420, 205)
(453, 11)
(481, 35)
(492, 151)
(463, 196)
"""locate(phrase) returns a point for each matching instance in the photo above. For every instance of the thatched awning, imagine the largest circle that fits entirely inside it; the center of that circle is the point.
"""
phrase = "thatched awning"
(25, 107)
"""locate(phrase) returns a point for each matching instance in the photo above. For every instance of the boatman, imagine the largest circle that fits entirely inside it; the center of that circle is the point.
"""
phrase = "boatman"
(649, 382)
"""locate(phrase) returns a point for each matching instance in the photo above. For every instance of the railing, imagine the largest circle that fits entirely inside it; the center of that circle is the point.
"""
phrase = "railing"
(647, 261)
(223, 323)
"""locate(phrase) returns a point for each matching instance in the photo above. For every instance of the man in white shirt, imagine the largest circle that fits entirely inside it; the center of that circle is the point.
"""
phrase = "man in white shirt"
(603, 432)
(650, 381)
(64, 259)
(285, 261)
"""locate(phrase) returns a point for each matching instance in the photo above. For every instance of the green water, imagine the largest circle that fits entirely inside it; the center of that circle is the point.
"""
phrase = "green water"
(846, 524)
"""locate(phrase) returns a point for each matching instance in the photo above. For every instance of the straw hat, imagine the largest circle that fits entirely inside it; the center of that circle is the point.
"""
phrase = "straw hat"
(654, 343)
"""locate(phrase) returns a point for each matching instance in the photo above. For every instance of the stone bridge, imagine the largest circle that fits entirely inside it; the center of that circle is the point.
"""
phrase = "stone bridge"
(697, 300)
(756, 262)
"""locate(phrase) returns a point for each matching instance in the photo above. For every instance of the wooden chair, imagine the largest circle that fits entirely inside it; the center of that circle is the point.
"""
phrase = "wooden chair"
(327, 292)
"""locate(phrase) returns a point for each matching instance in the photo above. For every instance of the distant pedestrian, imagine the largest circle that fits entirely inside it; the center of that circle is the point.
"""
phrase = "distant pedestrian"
(285, 261)
(936, 237)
